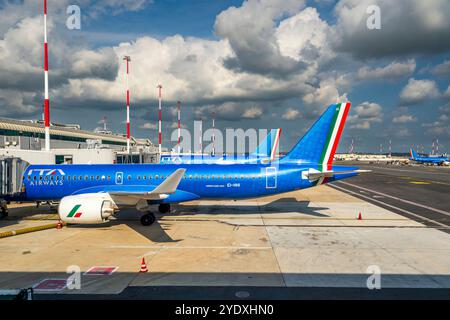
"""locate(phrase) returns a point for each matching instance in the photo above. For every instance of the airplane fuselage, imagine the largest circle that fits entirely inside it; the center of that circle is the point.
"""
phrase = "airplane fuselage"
(53, 182)
(430, 160)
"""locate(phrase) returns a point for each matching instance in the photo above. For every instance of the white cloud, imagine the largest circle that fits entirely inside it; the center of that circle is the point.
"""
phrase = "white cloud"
(88, 64)
(438, 128)
(191, 69)
(174, 125)
(148, 125)
(230, 111)
(325, 94)
(447, 92)
(305, 37)
(252, 113)
(117, 6)
(402, 133)
(363, 115)
(442, 69)
(18, 104)
(250, 31)
(394, 70)
(417, 91)
(445, 109)
(404, 119)
(291, 114)
(407, 27)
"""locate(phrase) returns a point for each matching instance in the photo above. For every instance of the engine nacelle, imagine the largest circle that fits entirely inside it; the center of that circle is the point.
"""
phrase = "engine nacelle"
(90, 208)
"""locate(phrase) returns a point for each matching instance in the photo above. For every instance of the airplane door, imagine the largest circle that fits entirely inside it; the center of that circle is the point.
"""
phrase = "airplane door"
(271, 178)
(119, 177)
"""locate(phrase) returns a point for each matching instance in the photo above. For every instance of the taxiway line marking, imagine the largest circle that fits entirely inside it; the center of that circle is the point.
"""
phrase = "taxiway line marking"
(398, 199)
(409, 178)
(399, 170)
(390, 206)
(188, 247)
(328, 218)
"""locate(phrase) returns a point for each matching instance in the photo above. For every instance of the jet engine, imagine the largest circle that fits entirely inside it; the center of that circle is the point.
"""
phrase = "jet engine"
(90, 208)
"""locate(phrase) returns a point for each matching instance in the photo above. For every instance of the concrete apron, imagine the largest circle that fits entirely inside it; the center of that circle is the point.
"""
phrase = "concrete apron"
(309, 238)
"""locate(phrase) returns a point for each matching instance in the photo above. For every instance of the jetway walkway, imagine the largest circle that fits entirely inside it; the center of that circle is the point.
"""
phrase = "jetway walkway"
(11, 175)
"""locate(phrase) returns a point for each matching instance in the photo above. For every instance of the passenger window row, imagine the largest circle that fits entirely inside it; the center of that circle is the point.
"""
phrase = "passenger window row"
(221, 177)
(129, 177)
(62, 178)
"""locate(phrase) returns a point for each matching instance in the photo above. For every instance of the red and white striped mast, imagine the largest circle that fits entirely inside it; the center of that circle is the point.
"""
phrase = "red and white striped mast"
(214, 134)
(46, 98)
(159, 118)
(128, 59)
(104, 123)
(200, 138)
(179, 126)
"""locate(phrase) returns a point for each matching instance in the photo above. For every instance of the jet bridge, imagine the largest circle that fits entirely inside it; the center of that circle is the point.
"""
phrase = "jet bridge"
(11, 174)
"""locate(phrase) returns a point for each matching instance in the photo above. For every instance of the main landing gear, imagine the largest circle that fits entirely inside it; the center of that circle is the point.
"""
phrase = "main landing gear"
(164, 207)
(3, 209)
(148, 219)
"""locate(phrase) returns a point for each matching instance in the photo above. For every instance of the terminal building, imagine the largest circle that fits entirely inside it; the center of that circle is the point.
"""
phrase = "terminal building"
(71, 145)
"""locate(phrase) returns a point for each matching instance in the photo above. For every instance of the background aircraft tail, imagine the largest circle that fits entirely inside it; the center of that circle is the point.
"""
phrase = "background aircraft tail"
(319, 144)
(413, 154)
(268, 147)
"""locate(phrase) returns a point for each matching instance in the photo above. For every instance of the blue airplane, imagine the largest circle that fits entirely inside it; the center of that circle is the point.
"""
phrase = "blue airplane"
(266, 151)
(90, 194)
(428, 160)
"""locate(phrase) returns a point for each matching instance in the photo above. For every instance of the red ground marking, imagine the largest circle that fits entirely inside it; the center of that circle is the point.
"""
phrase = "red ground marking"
(51, 285)
(100, 271)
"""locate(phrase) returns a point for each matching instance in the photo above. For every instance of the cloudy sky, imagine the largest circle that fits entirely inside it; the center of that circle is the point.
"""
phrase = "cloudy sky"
(256, 64)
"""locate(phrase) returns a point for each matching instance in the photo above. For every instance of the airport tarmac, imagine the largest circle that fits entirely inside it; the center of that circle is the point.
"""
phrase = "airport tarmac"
(304, 244)
(417, 192)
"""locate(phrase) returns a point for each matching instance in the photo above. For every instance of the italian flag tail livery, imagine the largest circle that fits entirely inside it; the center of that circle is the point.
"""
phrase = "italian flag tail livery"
(334, 135)
(319, 144)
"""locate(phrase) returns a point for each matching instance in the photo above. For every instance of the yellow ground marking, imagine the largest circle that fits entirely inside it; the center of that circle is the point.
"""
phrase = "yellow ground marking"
(419, 182)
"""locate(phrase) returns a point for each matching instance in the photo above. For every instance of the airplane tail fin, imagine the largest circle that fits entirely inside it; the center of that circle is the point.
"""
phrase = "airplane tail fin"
(268, 147)
(413, 153)
(319, 144)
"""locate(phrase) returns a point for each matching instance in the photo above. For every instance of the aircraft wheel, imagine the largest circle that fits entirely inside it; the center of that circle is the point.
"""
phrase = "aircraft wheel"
(148, 219)
(164, 208)
(3, 212)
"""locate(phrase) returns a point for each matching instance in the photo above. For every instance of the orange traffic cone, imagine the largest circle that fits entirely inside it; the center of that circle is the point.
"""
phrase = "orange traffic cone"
(143, 266)
(359, 216)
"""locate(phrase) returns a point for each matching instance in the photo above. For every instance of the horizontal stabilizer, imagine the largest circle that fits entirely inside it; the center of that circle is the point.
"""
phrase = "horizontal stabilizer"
(313, 175)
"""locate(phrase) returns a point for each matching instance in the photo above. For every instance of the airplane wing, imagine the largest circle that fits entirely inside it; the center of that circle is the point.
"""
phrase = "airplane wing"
(162, 191)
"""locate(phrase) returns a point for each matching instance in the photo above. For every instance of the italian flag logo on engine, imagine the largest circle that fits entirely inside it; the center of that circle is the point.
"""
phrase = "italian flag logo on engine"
(74, 213)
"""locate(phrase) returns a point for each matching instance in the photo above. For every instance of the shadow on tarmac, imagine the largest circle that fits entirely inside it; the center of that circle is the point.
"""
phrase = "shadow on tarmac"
(157, 232)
